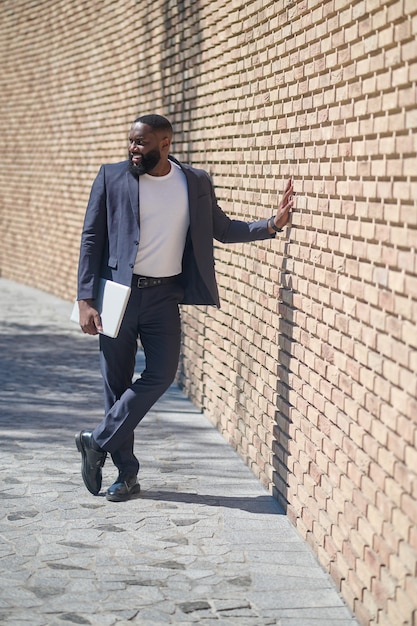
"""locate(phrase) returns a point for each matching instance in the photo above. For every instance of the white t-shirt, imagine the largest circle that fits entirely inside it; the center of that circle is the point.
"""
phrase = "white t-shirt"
(164, 220)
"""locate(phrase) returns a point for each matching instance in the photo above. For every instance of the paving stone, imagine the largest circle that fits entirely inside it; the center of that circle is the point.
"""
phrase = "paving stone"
(204, 543)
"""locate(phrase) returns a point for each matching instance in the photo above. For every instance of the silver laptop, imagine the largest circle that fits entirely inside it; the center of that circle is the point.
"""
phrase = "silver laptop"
(112, 299)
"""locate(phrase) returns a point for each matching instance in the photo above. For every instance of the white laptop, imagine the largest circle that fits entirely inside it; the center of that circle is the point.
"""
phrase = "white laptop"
(111, 303)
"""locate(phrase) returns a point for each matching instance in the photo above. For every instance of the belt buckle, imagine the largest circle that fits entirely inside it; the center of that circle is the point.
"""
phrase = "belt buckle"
(142, 282)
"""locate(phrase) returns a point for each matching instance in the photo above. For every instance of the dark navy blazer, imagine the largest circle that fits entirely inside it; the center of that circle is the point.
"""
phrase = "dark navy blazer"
(111, 233)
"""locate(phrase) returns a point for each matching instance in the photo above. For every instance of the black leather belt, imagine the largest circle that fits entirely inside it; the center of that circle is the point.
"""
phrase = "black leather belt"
(146, 281)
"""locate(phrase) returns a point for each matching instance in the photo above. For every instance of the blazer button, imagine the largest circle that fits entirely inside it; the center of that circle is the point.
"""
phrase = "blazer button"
(131, 265)
(136, 243)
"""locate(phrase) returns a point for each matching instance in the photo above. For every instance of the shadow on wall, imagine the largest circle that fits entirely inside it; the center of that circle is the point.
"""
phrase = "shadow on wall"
(280, 445)
(176, 78)
(180, 66)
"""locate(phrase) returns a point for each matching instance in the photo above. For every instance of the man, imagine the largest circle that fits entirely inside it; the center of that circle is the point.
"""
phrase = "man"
(150, 224)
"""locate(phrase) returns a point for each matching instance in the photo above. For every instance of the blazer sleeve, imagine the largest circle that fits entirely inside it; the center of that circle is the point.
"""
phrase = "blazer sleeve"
(227, 230)
(93, 240)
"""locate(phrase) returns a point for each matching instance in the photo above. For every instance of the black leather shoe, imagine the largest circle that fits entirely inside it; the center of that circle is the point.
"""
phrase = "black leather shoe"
(123, 489)
(91, 461)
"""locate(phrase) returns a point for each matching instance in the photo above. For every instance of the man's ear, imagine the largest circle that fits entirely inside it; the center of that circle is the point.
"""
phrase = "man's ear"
(165, 143)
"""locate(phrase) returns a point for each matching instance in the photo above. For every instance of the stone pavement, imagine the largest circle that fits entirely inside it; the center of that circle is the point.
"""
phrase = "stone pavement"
(203, 543)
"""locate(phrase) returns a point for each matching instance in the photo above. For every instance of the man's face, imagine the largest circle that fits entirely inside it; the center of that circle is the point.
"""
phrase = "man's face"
(144, 149)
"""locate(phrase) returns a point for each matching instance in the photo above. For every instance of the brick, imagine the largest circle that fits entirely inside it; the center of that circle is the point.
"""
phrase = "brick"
(404, 606)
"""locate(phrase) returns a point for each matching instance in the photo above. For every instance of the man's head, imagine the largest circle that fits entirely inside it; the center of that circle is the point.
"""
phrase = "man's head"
(149, 142)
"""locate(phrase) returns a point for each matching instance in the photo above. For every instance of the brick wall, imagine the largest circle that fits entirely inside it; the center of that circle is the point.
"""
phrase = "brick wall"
(309, 368)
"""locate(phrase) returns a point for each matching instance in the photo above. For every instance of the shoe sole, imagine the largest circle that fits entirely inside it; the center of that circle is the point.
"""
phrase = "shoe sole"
(78, 443)
(134, 492)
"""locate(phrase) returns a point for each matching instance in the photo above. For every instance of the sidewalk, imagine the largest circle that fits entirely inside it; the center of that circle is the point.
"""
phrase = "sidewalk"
(204, 543)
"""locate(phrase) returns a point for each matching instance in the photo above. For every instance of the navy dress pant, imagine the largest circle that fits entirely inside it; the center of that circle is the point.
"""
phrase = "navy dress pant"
(152, 315)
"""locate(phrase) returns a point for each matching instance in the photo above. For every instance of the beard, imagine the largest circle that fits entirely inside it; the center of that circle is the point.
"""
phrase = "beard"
(146, 165)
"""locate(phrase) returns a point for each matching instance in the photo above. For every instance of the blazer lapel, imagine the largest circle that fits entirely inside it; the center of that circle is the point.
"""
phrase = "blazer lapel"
(192, 196)
(133, 189)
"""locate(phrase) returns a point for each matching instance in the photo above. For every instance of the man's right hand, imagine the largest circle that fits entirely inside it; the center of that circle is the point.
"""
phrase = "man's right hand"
(90, 320)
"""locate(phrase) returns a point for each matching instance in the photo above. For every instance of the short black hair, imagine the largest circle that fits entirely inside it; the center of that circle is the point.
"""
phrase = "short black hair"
(157, 122)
